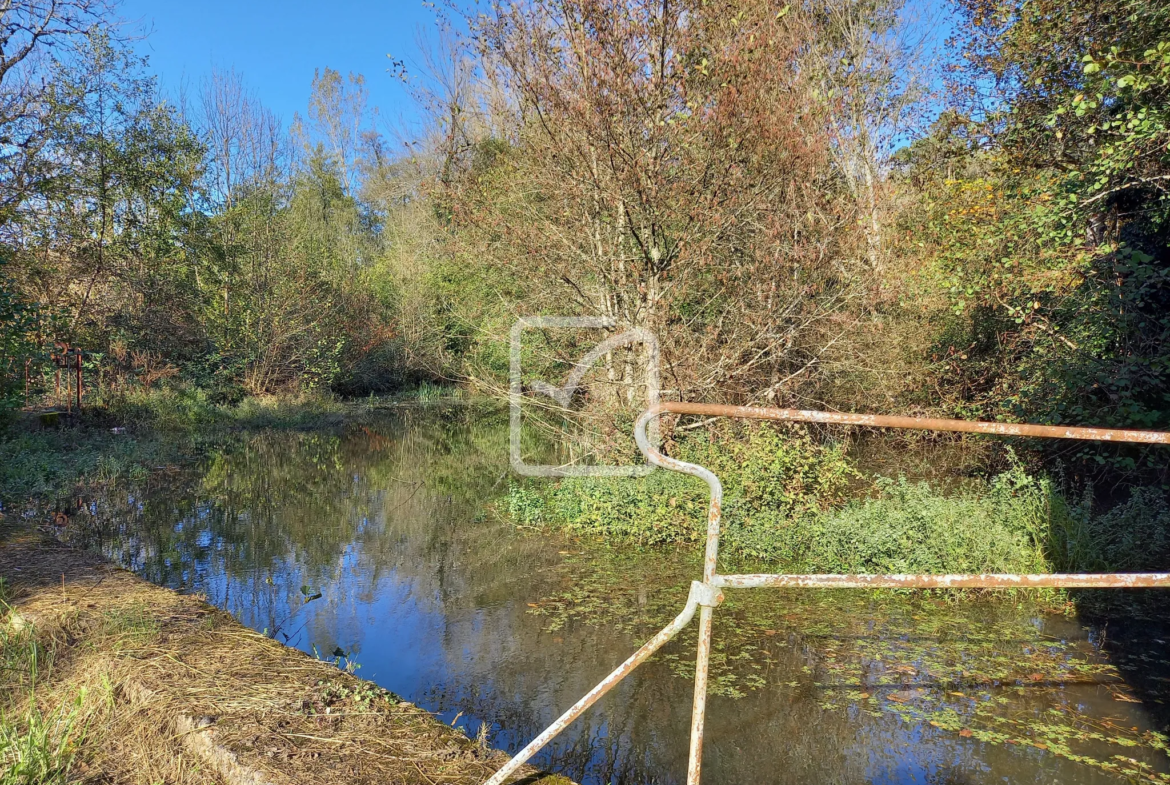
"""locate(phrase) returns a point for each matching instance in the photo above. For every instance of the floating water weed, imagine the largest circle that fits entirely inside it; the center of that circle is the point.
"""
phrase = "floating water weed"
(988, 670)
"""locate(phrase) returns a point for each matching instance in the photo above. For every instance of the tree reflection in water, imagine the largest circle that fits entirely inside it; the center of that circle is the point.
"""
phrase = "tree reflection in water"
(426, 589)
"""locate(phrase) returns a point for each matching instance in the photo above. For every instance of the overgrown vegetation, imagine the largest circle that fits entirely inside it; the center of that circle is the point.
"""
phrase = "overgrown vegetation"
(815, 204)
(810, 204)
(805, 507)
(200, 243)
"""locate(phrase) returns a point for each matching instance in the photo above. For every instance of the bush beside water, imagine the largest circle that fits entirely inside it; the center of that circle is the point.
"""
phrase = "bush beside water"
(125, 437)
(800, 505)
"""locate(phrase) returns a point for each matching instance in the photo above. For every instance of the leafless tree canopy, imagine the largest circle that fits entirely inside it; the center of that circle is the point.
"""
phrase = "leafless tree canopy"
(35, 36)
(245, 140)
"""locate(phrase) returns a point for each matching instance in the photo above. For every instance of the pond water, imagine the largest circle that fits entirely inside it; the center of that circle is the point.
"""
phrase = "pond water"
(378, 544)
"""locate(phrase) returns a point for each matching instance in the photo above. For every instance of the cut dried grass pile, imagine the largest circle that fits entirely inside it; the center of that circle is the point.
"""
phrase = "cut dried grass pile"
(171, 689)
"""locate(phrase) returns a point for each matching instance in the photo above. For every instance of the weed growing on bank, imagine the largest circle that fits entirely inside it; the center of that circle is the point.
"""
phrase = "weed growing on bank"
(124, 438)
(800, 505)
(36, 746)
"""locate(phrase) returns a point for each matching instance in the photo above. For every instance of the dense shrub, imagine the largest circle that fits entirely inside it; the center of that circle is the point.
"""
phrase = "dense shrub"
(769, 474)
(911, 527)
(1132, 536)
(785, 503)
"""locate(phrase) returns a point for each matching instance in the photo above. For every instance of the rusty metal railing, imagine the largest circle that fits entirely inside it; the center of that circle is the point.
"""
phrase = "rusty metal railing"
(706, 595)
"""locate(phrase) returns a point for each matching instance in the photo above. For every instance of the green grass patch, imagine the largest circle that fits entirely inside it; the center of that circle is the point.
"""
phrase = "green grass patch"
(36, 746)
(127, 437)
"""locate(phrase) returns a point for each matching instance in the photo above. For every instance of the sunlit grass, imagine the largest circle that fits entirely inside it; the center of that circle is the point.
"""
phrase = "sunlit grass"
(36, 747)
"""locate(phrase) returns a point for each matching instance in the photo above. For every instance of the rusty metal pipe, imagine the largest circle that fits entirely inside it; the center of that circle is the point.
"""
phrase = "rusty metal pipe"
(699, 707)
(713, 579)
(710, 559)
(699, 594)
(912, 423)
(706, 594)
(1115, 580)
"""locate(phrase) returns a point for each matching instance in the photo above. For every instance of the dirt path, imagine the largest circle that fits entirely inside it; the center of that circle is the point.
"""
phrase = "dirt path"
(165, 688)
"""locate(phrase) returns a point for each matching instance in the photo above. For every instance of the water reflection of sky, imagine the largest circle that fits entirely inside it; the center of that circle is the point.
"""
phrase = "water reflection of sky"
(431, 598)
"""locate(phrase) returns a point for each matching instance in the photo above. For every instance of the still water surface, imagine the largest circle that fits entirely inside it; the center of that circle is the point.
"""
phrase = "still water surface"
(432, 595)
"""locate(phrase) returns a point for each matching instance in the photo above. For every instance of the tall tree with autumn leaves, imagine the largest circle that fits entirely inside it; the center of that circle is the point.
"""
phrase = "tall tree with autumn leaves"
(1049, 230)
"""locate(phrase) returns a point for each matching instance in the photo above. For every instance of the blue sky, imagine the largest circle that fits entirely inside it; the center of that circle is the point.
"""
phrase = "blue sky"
(276, 44)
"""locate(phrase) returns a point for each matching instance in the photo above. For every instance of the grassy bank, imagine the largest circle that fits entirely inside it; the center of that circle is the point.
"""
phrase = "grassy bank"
(801, 505)
(125, 438)
(105, 677)
(46, 456)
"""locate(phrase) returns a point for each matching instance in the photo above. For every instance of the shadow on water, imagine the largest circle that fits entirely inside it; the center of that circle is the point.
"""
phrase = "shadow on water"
(1133, 629)
(377, 546)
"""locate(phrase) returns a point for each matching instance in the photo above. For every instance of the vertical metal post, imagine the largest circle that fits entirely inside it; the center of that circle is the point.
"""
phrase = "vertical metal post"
(710, 559)
(703, 653)
(700, 593)
(698, 713)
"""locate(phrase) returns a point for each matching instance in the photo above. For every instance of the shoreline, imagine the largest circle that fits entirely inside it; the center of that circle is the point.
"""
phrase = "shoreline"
(160, 685)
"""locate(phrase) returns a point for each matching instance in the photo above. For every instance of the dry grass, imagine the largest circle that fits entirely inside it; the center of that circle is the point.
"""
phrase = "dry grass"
(173, 690)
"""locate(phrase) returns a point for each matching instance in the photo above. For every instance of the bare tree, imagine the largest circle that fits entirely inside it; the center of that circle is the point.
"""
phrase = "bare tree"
(461, 103)
(244, 139)
(869, 61)
(35, 36)
(338, 118)
(668, 169)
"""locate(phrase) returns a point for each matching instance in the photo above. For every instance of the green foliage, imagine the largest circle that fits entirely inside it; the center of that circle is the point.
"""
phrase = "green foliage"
(786, 503)
(48, 464)
(21, 323)
(1133, 536)
(160, 428)
(237, 266)
(1042, 326)
(912, 528)
(778, 469)
(39, 748)
(1049, 239)
(770, 475)
(906, 527)
(663, 508)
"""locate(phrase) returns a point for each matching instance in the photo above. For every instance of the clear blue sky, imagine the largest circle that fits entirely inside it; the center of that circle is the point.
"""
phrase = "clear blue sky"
(276, 44)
